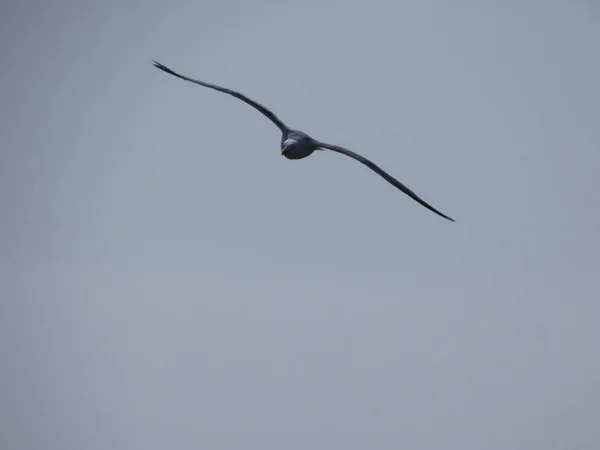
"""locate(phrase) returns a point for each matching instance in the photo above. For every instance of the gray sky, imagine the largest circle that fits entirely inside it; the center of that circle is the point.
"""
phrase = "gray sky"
(169, 281)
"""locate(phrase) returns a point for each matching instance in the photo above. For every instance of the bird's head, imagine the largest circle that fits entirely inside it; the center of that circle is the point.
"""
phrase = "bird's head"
(287, 148)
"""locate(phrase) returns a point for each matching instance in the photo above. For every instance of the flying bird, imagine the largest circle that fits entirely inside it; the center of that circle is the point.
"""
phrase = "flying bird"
(297, 145)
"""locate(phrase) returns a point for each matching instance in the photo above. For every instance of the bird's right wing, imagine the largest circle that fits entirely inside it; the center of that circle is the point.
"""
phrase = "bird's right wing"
(386, 176)
(268, 113)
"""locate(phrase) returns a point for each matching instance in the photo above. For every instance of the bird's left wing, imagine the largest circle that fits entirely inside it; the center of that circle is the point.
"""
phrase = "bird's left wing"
(263, 109)
(374, 167)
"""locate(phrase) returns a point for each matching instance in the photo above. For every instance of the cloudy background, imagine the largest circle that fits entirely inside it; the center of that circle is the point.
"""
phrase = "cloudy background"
(169, 281)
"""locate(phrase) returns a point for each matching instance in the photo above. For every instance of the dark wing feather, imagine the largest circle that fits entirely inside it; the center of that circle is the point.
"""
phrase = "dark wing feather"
(268, 113)
(383, 174)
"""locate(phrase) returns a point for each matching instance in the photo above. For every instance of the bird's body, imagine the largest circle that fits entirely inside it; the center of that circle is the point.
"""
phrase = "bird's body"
(296, 144)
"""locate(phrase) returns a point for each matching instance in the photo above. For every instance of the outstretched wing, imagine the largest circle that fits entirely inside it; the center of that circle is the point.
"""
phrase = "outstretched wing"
(383, 174)
(268, 113)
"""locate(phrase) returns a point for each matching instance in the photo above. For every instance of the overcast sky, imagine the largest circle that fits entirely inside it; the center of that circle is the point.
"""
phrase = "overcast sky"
(169, 281)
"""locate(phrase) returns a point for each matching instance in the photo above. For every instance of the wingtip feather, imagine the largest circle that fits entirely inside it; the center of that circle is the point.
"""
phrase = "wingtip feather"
(160, 66)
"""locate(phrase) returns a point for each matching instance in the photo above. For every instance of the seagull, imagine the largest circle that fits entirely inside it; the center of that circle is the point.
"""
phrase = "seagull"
(296, 144)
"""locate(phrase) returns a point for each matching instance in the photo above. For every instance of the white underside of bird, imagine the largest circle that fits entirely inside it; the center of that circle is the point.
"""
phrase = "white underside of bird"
(296, 144)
